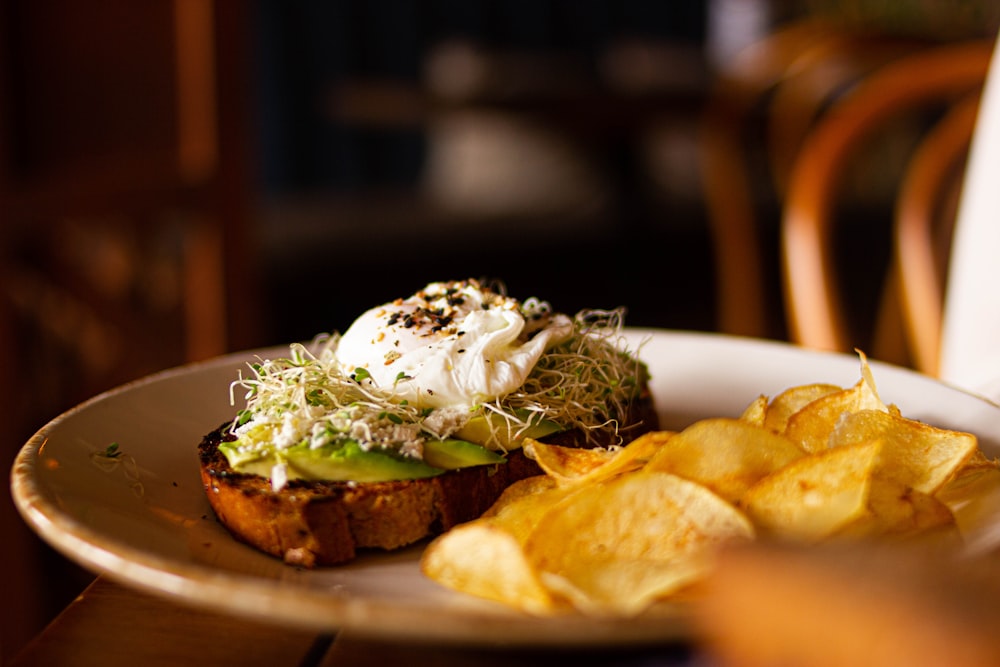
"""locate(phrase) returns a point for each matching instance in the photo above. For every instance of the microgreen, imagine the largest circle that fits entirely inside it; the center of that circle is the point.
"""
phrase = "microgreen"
(586, 382)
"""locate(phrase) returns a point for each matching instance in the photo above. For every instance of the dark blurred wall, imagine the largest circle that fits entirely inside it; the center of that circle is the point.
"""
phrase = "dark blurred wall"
(308, 49)
(403, 142)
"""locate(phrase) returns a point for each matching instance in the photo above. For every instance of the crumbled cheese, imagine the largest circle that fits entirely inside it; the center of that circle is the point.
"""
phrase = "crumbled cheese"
(445, 421)
(279, 476)
(288, 434)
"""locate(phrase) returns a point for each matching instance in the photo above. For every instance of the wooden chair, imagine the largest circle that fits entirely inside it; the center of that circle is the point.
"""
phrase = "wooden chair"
(763, 105)
(924, 82)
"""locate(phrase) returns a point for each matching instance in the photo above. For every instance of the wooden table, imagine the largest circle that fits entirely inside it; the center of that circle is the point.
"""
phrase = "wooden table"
(110, 625)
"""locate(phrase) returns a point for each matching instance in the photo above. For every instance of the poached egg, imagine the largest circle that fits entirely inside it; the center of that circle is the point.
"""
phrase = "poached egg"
(452, 344)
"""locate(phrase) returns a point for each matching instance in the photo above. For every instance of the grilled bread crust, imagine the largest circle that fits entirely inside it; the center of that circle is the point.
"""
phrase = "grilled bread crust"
(319, 523)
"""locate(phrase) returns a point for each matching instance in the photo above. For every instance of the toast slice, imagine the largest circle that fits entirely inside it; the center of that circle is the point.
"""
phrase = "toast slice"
(321, 523)
(311, 523)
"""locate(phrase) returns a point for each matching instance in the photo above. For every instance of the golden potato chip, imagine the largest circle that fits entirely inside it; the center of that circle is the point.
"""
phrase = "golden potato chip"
(484, 560)
(625, 587)
(523, 488)
(565, 463)
(816, 495)
(520, 507)
(756, 412)
(915, 454)
(810, 428)
(980, 460)
(575, 465)
(637, 453)
(791, 400)
(973, 496)
(895, 510)
(726, 455)
(647, 529)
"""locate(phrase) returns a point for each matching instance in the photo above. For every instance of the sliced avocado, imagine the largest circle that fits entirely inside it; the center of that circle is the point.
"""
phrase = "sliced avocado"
(257, 464)
(481, 428)
(240, 458)
(349, 462)
(339, 463)
(451, 453)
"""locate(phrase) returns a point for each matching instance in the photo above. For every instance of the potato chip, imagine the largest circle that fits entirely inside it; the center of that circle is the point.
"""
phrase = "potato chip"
(646, 529)
(565, 463)
(814, 496)
(791, 400)
(980, 460)
(637, 453)
(726, 455)
(521, 489)
(484, 560)
(598, 591)
(914, 454)
(810, 428)
(521, 506)
(973, 496)
(897, 511)
(756, 412)
(575, 465)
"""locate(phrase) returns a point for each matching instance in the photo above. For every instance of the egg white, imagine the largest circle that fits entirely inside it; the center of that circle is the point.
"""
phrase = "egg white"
(452, 344)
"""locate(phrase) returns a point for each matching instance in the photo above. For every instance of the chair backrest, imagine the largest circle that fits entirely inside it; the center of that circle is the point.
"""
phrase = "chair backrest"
(763, 104)
(939, 77)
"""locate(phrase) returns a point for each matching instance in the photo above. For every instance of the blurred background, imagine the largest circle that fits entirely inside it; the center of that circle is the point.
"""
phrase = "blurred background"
(183, 178)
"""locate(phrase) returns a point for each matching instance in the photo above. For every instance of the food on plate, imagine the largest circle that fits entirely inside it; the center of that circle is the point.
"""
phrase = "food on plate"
(740, 455)
(412, 421)
(837, 480)
(616, 532)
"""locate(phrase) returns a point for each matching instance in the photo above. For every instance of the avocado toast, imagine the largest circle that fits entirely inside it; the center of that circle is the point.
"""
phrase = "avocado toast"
(412, 421)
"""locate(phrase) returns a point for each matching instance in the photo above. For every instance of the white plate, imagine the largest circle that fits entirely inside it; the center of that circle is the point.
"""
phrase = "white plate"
(165, 539)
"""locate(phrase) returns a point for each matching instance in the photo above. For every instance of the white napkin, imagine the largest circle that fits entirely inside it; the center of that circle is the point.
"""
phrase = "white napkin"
(970, 342)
